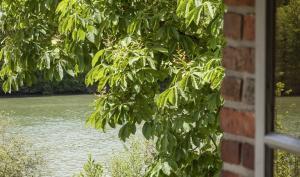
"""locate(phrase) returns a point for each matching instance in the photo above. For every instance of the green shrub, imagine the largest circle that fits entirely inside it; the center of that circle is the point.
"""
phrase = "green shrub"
(286, 164)
(133, 162)
(91, 169)
(17, 156)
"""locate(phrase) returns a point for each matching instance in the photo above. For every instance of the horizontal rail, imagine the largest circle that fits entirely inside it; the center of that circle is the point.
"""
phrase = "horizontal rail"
(283, 142)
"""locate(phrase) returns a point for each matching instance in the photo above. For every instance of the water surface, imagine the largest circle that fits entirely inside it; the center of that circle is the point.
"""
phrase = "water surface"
(56, 125)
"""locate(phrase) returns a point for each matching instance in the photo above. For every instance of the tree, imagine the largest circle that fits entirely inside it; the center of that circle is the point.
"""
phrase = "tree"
(156, 63)
(287, 44)
(31, 46)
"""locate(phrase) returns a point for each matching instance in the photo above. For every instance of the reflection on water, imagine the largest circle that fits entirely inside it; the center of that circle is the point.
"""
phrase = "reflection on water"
(56, 125)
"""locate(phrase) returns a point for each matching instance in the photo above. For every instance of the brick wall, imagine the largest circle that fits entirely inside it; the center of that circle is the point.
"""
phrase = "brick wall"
(237, 115)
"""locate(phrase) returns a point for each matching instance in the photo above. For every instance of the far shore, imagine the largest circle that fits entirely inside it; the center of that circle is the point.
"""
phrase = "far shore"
(21, 95)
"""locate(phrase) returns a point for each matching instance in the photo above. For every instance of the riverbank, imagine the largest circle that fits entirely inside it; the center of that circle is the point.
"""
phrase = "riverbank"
(21, 95)
(68, 86)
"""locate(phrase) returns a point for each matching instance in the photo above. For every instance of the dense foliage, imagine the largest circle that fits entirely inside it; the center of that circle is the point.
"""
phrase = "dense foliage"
(287, 68)
(155, 62)
(288, 43)
(30, 46)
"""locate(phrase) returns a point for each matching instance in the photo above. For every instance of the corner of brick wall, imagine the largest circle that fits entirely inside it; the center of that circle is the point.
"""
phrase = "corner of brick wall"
(237, 115)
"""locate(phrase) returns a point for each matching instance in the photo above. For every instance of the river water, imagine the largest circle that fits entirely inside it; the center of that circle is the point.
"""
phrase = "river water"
(56, 126)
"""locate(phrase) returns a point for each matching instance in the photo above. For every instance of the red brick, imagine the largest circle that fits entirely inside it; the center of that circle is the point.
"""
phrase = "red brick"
(239, 59)
(249, 28)
(228, 174)
(248, 156)
(238, 123)
(233, 25)
(240, 2)
(231, 88)
(231, 151)
(249, 91)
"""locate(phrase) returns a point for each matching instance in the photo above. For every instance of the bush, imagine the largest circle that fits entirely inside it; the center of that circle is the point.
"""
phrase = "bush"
(91, 169)
(133, 162)
(17, 156)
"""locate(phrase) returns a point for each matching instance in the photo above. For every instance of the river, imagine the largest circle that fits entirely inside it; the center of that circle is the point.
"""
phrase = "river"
(56, 126)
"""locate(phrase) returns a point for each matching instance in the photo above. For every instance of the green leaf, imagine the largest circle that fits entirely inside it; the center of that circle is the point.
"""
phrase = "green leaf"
(70, 72)
(172, 96)
(62, 6)
(1, 53)
(60, 71)
(175, 33)
(47, 60)
(151, 62)
(148, 130)
(102, 83)
(74, 34)
(210, 8)
(126, 131)
(194, 82)
(97, 56)
(91, 37)
(126, 41)
(81, 35)
(164, 143)
(161, 49)
(70, 24)
(186, 127)
(133, 60)
(6, 86)
(137, 88)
